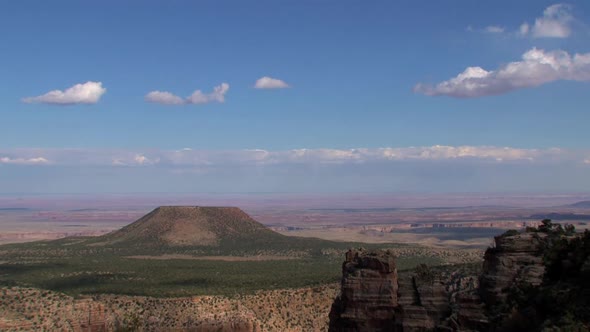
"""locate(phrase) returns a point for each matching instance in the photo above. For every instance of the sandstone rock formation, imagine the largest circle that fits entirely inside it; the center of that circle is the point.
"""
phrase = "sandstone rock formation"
(369, 293)
(470, 313)
(514, 260)
(530, 280)
(430, 303)
(373, 298)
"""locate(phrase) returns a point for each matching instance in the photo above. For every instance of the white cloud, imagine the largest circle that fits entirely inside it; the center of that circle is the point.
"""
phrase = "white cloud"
(140, 159)
(197, 97)
(524, 29)
(555, 23)
(432, 153)
(494, 29)
(118, 162)
(24, 161)
(270, 83)
(163, 97)
(86, 93)
(218, 95)
(441, 152)
(259, 157)
(537, 67)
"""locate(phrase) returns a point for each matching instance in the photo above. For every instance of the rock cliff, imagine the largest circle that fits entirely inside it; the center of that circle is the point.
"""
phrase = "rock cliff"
(532, 279)
(374, 298)
(369, 293)
(514, 260)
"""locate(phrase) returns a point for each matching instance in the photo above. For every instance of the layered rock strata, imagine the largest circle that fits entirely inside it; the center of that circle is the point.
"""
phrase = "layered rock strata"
(368, 296)
(374, 298)
(515, 260)
(425, 302)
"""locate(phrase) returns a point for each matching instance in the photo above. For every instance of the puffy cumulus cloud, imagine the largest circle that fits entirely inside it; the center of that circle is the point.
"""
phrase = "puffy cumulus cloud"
(163, 97)
(84, 93)
(24, 161)
(258, 157)
(197, 97)
(270, 83)
(537, 67)
(218, 95)
(555, 23)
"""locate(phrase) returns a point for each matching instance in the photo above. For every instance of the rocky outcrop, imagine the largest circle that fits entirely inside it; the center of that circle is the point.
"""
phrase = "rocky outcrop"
(368, 296)
(529, 280)
(515, 260)
(423, 303)
(537, 280)
(374, 298)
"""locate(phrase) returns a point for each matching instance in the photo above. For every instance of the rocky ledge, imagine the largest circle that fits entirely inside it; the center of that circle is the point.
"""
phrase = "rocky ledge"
(531, 280)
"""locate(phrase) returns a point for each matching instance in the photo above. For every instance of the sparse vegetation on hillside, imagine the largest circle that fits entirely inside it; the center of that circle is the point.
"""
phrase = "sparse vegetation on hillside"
(105, 264)
(29, 309)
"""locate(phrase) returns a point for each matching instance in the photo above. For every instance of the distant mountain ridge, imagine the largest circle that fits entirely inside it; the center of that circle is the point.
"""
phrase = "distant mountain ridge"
(580, 204)
(559, 216)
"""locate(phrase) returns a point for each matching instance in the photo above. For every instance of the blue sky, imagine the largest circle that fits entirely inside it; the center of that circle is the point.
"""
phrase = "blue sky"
(347, 75)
